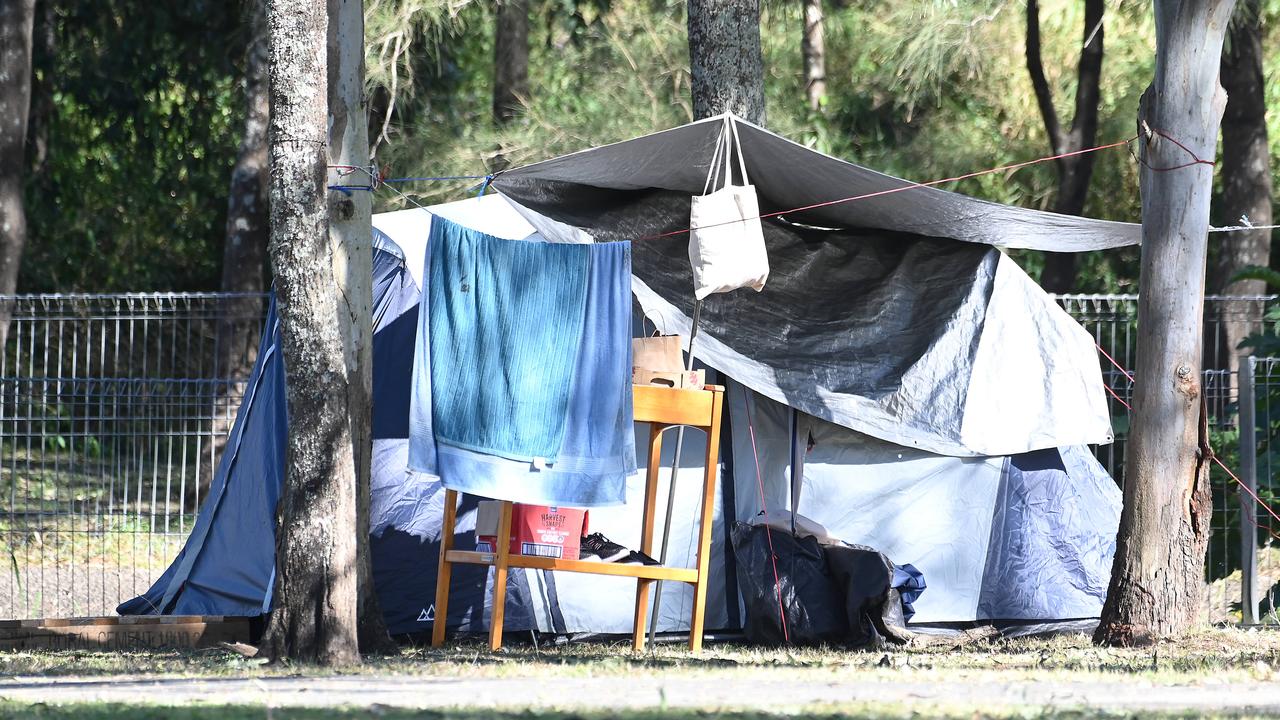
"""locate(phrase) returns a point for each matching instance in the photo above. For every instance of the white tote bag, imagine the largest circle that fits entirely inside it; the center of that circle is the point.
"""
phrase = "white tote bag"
(726, 242)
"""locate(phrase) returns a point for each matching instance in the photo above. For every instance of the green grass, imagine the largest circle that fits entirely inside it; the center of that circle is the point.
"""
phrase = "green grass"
(1215, 657)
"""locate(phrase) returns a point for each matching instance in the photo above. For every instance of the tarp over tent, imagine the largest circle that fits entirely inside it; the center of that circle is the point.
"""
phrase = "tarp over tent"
(873, 317)
(860, 323)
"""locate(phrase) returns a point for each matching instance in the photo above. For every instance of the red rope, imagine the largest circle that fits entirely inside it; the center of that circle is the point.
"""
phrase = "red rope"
(1248, 491)
(904, 188)
(768, 532)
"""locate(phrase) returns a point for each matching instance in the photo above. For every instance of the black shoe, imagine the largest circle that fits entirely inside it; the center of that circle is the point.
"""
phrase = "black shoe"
(638, 558)
(598, 548)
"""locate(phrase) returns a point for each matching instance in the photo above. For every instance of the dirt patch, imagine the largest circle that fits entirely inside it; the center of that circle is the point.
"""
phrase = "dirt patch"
(58, 590)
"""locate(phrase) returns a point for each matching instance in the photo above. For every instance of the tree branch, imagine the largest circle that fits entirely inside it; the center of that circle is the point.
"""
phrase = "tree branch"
(1084, 126)
(1035, 67)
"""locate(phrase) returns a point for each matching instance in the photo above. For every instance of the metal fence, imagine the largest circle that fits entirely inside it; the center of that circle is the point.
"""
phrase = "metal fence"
(1259, 462)
(112, 412)
(113, 409)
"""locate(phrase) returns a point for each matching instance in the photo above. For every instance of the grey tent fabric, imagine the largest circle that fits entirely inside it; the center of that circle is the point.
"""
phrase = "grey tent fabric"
(913, 338)
(788, 175)
(1028, 537)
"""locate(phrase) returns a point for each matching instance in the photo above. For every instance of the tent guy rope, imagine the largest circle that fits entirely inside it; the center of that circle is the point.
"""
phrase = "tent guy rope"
(1248, 491)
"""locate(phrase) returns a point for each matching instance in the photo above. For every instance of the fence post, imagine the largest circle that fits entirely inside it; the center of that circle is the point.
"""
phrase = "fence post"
(1248, 508)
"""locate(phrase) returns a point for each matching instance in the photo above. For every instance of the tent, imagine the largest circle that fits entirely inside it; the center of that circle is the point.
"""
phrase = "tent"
(899, 380)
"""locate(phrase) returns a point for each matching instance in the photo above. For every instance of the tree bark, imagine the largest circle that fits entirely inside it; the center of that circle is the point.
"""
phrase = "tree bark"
(244, 252)
(17, 18)
(725, 60)
(43, 48)
(314, 615)
(814, 49)
(351, 248)
(1246, 181)
(1158, 575)
(510, 59)
(1074, 173)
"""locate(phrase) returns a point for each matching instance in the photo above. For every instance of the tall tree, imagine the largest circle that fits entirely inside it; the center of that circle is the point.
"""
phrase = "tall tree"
(315, 609)
(510, 59)
(1074, 173)
(813, 47)
(725, 60)
(244, 254)
(17, 17)
(244, 250)
(351, 252)
(1158, 573)
(1246, 179)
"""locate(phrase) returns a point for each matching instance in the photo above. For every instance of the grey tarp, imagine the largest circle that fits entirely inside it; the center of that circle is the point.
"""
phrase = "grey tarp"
(874, 316)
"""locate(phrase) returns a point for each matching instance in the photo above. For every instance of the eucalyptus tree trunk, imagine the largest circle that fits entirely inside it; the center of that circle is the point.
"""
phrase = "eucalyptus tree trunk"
(725, 59)
(1074, 173)
(244, 251)
(1158, 575)
(17, 17)
(813, 47)
(510, 59)
(351, 251)
(1246, 181)
(314, 615)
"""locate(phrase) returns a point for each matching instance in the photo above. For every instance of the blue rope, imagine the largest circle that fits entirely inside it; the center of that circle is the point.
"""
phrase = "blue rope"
(346, 189)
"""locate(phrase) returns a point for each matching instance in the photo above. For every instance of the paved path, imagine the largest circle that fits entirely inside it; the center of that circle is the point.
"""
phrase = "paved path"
(619, 693)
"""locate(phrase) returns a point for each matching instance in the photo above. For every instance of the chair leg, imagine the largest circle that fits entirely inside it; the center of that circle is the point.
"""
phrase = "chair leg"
(445, 572)
(501, 556)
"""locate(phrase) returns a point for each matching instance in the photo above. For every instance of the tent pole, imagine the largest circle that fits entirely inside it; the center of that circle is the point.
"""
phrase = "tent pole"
(671, 489)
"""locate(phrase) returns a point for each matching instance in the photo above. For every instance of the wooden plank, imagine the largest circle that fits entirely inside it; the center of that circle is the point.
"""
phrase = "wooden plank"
(653, 572)
(124, 636)
(703, 561)
(646, 533)
(671, 406)
(445, 571)
(500, 565)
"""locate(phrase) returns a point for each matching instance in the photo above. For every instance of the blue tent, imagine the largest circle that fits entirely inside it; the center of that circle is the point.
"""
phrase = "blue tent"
(1023, 537)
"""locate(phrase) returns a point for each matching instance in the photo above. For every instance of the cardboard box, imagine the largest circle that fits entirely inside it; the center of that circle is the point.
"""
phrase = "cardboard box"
(681, 379)
(535, 529)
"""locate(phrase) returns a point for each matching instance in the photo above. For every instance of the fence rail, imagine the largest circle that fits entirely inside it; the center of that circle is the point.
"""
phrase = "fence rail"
(113, 410)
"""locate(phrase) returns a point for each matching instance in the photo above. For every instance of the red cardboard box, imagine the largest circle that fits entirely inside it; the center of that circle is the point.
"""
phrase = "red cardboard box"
(535, 529)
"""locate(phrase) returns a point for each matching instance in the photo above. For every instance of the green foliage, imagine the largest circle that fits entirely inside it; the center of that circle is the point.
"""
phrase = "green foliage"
(147, 110)
(144, 127)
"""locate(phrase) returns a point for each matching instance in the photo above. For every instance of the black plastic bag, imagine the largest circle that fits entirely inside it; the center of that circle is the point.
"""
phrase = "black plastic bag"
(872, 605)
(812, 602)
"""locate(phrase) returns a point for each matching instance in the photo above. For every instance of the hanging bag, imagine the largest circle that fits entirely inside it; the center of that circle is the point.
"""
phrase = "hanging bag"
(726, 242)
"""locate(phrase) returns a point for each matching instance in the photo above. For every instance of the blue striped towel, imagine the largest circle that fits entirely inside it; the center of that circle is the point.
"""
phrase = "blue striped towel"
(505, 329)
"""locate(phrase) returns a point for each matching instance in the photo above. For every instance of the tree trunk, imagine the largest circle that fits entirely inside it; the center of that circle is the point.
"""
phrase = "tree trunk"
(1158, 575)
(43, 48)
(244, 253)
(1246, 181)
(17, 18)
(1074, 173)
(314, 615)
(725, 60)
(814, 48)
(510, 59)
(351, 248)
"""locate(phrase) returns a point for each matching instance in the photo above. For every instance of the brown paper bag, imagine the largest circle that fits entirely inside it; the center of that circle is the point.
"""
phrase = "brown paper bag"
(660, 353)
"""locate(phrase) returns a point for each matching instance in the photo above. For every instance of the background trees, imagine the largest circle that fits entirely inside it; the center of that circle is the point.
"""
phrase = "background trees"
(142, 123)
(16, 21)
